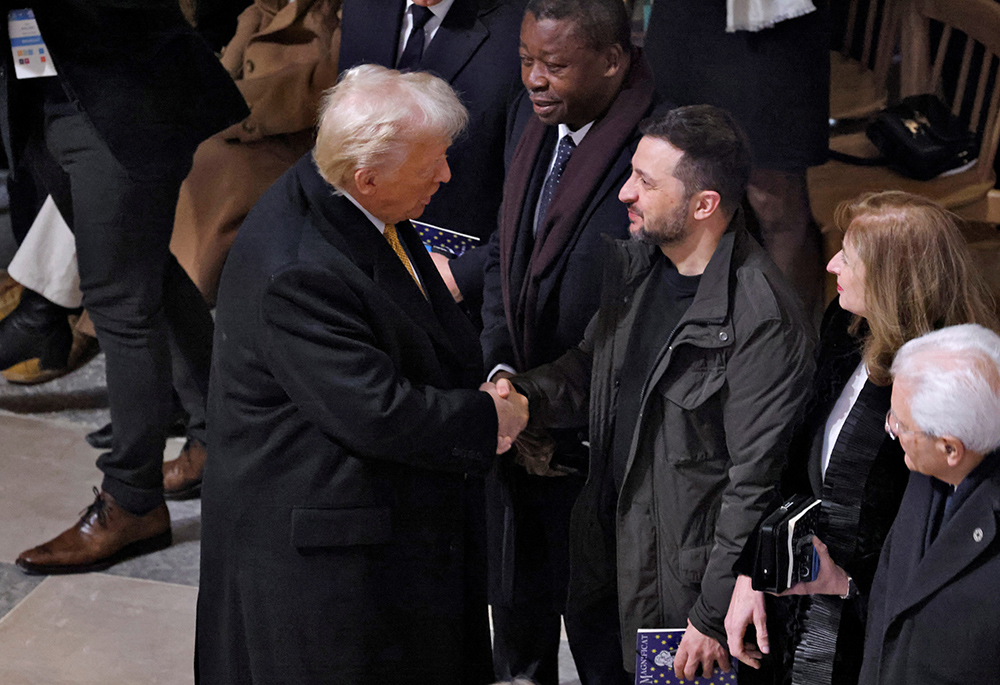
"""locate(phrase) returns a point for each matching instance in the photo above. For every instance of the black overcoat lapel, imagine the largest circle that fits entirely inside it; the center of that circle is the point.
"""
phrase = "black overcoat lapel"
(348, 230)
(965, 536)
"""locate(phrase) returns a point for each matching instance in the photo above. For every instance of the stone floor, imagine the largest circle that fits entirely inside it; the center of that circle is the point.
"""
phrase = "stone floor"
(132, 624)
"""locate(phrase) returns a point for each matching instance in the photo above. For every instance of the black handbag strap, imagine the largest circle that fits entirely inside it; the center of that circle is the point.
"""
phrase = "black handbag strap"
(855, 160)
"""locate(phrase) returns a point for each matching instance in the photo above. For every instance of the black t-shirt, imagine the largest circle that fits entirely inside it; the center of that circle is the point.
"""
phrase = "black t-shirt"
(666, 300)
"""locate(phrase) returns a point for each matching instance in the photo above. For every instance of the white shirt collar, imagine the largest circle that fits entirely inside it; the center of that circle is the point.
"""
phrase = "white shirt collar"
(378, 223)
(576, 135)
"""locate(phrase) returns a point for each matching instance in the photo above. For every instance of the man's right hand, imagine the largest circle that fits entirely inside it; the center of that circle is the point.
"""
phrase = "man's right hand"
(746, 607)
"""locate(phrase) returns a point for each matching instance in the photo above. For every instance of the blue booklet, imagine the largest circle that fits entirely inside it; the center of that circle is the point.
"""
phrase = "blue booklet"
(654, 660)
(449, 243)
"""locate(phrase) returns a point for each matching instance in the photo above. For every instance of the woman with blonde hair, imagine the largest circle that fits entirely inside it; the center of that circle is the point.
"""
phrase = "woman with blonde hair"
(904, 270)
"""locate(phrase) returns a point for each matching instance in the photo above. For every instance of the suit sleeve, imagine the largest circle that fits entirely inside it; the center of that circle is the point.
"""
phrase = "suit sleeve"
(761, 404)
(467, 271)
(559, 392)
(497, 346)
(321, 348)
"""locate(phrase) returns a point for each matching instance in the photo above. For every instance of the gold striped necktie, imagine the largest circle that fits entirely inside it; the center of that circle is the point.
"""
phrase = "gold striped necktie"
(397, 247)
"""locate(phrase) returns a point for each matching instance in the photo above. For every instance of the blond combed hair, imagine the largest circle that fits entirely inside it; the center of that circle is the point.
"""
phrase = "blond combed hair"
(372, 116)
(919, 274)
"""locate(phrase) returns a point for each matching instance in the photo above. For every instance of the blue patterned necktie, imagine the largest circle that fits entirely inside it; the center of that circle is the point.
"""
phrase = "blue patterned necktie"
(414, 49)
(566, 146)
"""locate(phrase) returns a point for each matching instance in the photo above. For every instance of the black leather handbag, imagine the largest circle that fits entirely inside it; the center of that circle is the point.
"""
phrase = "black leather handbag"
(785, 554)
(919, 138)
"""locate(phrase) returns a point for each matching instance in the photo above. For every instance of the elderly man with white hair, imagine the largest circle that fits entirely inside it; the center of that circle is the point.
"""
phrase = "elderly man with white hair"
(933, 616)
(342, 506)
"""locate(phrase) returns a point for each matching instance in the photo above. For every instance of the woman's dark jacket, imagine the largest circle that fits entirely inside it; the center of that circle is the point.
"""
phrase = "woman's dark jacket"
(864, 484)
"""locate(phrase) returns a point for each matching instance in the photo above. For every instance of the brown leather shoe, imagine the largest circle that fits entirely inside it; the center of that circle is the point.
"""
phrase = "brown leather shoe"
(104, 535)
(10, 294)
(182, 476)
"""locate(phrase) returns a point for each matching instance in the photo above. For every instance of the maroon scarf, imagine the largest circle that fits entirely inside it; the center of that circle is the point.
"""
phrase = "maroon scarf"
(584, 173)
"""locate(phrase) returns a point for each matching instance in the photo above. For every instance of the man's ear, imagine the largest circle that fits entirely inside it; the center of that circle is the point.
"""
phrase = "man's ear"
(614, 60)
(704, 204)
(366, 181)
(952, 449)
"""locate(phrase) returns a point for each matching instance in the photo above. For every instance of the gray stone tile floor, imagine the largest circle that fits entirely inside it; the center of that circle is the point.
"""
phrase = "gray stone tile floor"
(89, 629)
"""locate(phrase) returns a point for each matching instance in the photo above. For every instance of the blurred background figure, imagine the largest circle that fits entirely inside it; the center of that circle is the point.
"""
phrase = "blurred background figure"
(282, 57)
(135, 91)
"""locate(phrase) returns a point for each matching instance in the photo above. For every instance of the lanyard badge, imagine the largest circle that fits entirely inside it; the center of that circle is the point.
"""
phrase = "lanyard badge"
(31, 57)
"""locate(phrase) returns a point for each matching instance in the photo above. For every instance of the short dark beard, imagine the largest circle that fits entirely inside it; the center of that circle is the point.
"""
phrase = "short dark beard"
(673, 232)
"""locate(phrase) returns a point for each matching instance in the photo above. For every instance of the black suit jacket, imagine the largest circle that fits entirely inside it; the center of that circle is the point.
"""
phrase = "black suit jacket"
(933, 616)
(475, 50)
(570, 293)
(343, 424)
(148, 83)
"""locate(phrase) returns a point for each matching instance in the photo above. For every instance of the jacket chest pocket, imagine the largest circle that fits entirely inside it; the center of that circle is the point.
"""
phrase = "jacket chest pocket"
(691, 409)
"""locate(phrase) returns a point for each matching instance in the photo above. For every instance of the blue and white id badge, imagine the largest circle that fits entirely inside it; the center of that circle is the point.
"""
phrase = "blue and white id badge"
(31, 57)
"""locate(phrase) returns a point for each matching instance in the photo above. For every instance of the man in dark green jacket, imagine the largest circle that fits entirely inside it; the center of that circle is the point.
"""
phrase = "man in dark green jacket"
(693, 372)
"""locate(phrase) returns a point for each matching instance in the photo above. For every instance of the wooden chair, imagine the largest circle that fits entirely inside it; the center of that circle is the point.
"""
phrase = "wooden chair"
(858, 86)
(970, 192)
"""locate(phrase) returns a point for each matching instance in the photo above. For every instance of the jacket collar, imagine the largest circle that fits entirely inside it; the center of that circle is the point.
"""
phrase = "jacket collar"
(284, 16)
(964, 537)
(711, 302)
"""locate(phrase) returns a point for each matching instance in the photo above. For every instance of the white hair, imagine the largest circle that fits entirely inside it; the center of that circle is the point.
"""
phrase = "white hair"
(373, 114)
(954, 374)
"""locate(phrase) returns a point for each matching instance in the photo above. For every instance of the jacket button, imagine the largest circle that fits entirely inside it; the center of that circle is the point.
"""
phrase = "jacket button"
(249, 66)
(723, 336)
(977, 535)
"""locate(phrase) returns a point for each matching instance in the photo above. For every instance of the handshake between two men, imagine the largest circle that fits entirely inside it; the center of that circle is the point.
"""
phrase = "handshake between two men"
(534, 447)
(512, 412)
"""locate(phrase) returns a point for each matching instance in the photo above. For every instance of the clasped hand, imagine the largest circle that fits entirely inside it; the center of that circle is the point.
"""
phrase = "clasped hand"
(512, 412)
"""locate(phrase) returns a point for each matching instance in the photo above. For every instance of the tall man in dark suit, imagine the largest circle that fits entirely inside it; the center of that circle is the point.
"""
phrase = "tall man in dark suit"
(572, 134)
(134, 93)
(472, 44)
(932, 613)
(341, 520)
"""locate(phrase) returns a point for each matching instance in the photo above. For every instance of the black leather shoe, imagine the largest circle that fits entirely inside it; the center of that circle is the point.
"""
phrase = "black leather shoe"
(36, 329)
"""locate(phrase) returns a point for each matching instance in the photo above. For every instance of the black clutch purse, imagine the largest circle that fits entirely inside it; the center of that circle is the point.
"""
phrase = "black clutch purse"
(785, 554)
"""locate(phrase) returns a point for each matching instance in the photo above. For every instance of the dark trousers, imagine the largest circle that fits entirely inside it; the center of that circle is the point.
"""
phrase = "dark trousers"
(147, 313)
(595, 638)
(526, 643)
(527, 619)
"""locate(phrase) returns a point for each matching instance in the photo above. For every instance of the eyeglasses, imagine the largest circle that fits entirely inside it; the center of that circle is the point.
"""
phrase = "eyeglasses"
(892, 426)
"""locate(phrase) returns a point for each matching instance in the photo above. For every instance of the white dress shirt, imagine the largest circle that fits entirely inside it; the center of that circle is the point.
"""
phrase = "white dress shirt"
(430, 28)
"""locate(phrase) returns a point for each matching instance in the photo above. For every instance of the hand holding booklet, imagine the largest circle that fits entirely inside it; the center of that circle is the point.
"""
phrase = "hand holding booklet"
(654, 659)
